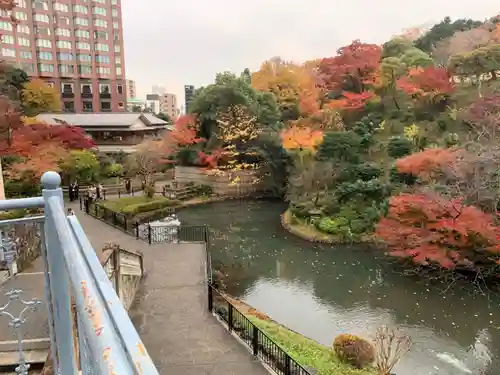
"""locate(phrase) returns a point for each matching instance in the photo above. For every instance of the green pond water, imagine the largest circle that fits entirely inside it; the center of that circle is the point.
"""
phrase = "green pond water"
(322, 291)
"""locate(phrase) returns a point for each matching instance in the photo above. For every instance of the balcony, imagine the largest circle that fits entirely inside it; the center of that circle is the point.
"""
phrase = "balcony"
(68, 94)
(105, 95)
(87, 95)
(89, 328)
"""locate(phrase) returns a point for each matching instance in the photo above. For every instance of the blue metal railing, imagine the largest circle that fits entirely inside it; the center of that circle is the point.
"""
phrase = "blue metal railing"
(107, 340)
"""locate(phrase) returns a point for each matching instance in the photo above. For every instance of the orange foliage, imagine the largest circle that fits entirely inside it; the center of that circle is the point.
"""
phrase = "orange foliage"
(429, 81)
(185, 133)
(301, 138)
(433, 230)
(429, 162)
(352, 101)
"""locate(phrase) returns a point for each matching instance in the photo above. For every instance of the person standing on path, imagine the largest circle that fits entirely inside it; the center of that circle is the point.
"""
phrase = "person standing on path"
(128, 185)
(76, 190)
(71, 192)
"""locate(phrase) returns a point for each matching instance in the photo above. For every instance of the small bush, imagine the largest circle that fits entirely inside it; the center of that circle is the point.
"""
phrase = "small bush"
(335, 226)
(156, 204)
(205, 190)
(399, 147)
(354, 350)
(302, 209)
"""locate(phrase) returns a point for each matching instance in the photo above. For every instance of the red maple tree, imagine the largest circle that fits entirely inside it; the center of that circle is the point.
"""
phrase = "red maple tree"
(185, 133)
(352, 101)
(429, 81)
(210, 160)
(431, 230)
(428, 163)
(354, 67)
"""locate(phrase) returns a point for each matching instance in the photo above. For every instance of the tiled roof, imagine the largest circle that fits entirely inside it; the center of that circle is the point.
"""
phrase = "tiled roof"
(101, 119)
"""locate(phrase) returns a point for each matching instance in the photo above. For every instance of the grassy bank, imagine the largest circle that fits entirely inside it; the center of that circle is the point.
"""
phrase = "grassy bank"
(310, 233)
(305, 351)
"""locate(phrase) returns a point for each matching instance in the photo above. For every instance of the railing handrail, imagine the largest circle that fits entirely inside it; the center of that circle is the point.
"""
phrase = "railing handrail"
(13, 204)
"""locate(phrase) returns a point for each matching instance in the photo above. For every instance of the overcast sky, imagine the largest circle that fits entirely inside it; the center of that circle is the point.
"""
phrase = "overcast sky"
(172, 43)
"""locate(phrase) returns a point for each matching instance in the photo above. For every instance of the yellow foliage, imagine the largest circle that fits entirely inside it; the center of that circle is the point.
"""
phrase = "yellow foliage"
(31, 120)
(411, 132)
(38, 97)
(301, 138)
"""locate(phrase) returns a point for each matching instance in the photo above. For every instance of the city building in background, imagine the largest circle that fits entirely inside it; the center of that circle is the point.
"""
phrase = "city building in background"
(157, 89)
(135, 105)
(168, 105)
(188, 96)
(76, 46)
(153, 103)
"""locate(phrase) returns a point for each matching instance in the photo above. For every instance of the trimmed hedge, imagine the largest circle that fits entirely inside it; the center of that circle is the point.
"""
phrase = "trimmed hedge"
(19, 213)
(153, 205)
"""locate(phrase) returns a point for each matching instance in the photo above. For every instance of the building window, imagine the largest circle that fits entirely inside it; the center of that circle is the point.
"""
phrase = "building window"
(63, 44)
(101, 23)
(42, 31)
(102, 47)
(101, 35)
(28, 67)
(82, 45)
(81, 21)
(100, 1)
(21, 4)
(99, 10)
(64, 21)
(106, 106)
(7, 39)
(120, 104)
(23, 42)
(8, 52)
(118, 71)
(44, 55)
(116, 25)
(66, 69)
(61, 7)
(104, 88)
(114, 2)
(63, 32)
(102, 59)
(86, 88)
(117, 49)
(46, 68)
(87, 107)
(69, 106)
(26, 55)
(23, 29)
(119, 89)
(82, 33)
(21, 16)
(45, 43)
(80, 9)
(41, 18)
(85, 69)
(4, 25)
(114, 12)
(65, 56)
(67, 88)
(40, 5)
(83, 57)
(103, 70)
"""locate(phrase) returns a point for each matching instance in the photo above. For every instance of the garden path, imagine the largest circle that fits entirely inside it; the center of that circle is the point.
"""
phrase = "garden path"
(170, 311)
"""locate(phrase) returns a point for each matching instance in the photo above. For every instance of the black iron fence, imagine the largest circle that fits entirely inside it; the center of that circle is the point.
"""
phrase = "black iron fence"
(261, 345)
(150, 233)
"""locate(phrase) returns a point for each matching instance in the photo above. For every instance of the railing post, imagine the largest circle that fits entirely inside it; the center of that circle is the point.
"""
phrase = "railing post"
(115, 221)
(149, 234)
(229, 316)
(255, 340)
(288, 368)
(210, 298)
(60, 284)
(119, 193)
(137, 230)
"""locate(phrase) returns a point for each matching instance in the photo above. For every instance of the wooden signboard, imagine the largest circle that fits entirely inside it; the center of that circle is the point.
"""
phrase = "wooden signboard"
(130, 265)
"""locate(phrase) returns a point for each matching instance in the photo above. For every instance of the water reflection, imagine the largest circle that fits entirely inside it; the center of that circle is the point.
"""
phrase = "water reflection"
(321, 291)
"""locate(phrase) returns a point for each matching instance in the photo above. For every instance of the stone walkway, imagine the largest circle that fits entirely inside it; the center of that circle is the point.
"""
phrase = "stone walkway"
(170, 311)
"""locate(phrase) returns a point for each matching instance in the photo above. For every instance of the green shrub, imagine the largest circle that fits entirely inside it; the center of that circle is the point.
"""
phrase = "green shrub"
(205, 190)
(149, 191)
(451, 140)
(362, 191)
(401, 178)
(354, 350)
(21, 189)
(302, 209)
(399, 147)
(114, 170)
(156, 204)
(336, 226)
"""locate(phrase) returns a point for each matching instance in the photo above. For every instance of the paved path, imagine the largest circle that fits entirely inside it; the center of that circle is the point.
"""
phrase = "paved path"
(170, 311)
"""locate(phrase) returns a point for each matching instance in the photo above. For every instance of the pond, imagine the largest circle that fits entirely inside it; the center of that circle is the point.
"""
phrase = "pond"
(322, 291)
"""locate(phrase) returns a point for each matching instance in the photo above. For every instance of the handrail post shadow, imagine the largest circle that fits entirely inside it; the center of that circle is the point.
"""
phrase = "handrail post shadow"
(149, 234)
(60, 284)
(229, 316)
(255, 340)
(210, 297)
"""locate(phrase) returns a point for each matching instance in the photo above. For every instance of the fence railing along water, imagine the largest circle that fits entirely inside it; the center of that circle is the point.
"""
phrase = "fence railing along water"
(260, 344)
(105, 340)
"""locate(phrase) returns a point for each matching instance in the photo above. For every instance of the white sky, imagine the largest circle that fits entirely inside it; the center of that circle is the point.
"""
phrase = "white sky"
(172, 43)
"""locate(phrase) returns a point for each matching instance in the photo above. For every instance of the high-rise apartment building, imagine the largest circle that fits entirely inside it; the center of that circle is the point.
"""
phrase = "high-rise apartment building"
(188, 95)
(168, 105)
(74, 45)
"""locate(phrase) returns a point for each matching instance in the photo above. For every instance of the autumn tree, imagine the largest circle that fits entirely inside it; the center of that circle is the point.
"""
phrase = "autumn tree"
(144, 162)
(82, 165)
(430, 230)
(37, 97)
(353, 69)
(461, 42)
(391, 70)
(483, 118)
(431, 83)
